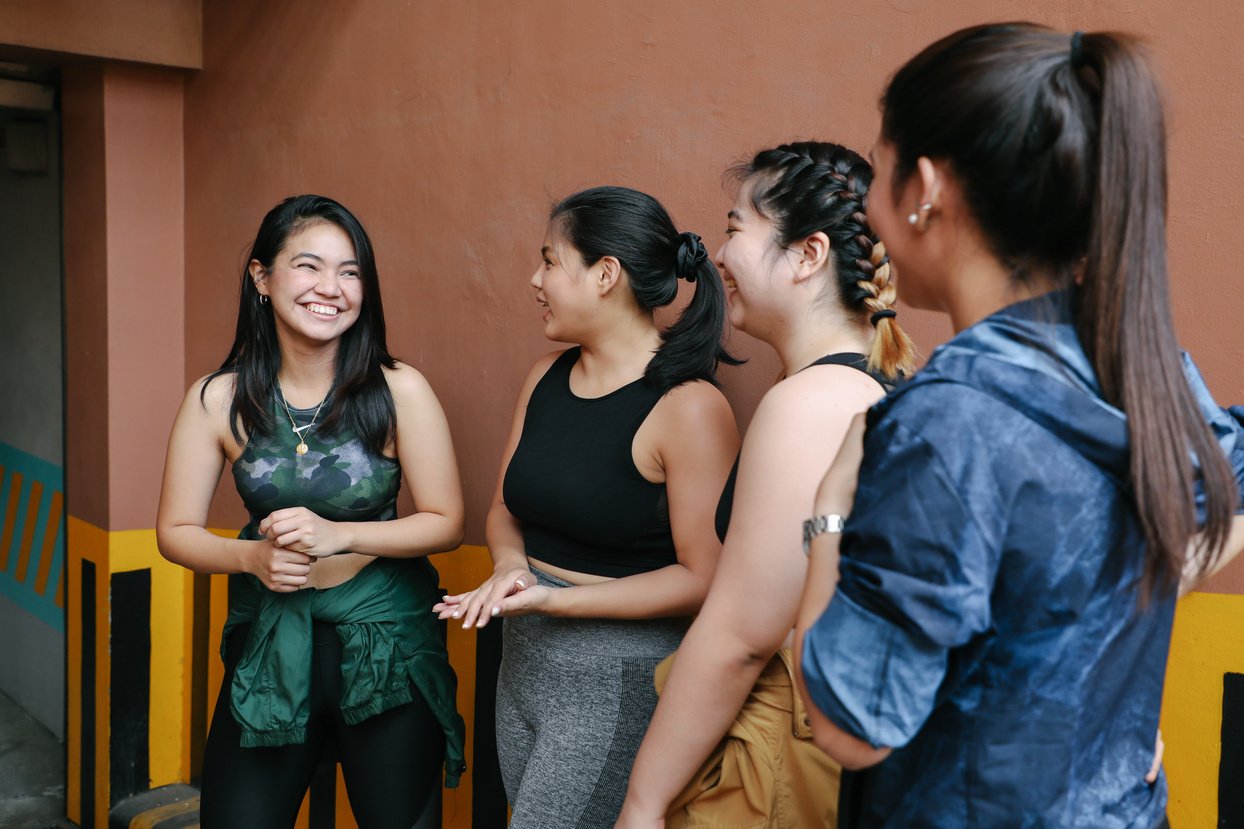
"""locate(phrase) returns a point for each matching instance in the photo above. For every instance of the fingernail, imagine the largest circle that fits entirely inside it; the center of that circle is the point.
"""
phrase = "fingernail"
(480, 623)
(457, 613)
(495, 611)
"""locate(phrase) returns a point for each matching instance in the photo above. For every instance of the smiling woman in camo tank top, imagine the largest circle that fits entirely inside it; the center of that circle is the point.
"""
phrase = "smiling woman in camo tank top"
(328, 640)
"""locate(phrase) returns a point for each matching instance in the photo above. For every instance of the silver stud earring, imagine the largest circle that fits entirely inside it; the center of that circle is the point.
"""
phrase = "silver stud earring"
(913, 218)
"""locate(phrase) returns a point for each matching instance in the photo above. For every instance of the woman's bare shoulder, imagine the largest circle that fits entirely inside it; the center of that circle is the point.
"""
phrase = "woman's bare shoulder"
(214, 392)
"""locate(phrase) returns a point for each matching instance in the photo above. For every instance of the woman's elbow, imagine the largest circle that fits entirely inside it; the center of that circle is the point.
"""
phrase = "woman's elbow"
(453, 530)
(454, 539)
(691, 595)
(862, 760)
(850, 753)
(166, 543)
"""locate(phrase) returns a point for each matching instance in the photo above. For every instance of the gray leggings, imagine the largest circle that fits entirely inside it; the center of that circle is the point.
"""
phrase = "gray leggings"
(574, 698)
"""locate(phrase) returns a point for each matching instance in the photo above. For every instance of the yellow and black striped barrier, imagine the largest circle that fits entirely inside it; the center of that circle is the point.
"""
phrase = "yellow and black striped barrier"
(143, 676)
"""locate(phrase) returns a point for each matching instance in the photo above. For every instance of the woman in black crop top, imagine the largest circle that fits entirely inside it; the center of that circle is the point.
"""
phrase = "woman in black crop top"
(601, 528)
(805, 274)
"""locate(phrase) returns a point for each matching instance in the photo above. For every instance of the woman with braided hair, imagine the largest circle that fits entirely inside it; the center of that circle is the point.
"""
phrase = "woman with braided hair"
(601, 529)
(805, 274)
(986, 639)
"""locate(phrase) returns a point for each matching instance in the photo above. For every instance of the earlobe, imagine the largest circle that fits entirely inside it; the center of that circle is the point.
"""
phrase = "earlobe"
(929, 176)
(919, 218)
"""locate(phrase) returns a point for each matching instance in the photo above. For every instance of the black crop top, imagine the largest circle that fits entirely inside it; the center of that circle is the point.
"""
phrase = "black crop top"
(845, 358)
(573, 485)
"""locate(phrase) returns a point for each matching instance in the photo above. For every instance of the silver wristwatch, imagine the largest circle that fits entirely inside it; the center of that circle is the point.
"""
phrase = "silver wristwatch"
(819, 524)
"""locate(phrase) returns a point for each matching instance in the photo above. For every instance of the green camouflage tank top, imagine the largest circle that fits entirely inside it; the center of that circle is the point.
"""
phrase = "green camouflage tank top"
(338, 478)
(392, 647)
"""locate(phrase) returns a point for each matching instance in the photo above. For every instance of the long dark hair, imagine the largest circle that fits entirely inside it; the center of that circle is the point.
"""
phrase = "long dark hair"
(637, 230)
(1060, 147)
(361, 401)
(808, 187)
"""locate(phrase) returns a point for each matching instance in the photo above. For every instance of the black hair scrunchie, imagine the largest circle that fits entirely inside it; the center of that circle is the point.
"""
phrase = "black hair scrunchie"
(691, 255)
(884, 314)
(1077, 53)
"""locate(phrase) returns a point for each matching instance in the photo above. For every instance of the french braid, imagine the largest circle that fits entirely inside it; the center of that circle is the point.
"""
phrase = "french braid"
(808, 187)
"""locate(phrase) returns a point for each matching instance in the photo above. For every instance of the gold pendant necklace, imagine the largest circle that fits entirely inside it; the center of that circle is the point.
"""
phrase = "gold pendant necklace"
(301, 448)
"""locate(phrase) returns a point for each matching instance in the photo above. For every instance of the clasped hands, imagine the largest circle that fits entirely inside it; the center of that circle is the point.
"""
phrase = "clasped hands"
(292, 540)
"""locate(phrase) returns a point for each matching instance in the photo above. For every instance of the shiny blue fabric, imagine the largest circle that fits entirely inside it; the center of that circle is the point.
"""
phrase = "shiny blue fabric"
(987, 624)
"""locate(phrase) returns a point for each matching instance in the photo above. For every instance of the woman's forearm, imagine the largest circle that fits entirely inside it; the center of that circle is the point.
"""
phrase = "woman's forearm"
(850, 752)
(670, 591)
(202, 551)
(505, 539)
(413, 536)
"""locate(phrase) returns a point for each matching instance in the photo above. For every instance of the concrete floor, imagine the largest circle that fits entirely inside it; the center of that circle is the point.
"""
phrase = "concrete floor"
(32, 772)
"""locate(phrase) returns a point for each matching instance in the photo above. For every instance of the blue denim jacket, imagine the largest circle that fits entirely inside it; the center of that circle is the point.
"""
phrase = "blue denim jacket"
(987, 623)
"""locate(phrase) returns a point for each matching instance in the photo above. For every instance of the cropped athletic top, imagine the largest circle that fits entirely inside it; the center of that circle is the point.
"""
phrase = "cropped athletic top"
(391, 643)
(843, 358)
(573, 485)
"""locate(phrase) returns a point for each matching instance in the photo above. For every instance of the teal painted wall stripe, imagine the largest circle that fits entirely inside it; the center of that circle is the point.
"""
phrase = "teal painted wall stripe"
(30, 466)
(23, 593)
(19, 525)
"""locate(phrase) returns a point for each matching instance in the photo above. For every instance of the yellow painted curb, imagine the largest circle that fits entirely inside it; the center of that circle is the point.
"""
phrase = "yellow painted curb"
(151, 819)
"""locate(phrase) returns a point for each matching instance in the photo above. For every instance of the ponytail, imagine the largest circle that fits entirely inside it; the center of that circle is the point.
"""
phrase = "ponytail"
(1059, 145)
(691, 348)
(1124, 321)
(634, 228)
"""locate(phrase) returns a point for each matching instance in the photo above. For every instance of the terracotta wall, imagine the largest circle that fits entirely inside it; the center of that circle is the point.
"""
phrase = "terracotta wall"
(165, 32)
(86, 293)
(450, 127)
(143, 124)
(123, 287)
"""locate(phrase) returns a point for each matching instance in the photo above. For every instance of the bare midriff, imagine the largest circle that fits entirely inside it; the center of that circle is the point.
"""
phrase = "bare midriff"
(332, 571)
(571, 576)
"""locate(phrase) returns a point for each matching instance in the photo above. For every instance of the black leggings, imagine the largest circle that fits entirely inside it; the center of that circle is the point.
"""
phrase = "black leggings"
(391, 762)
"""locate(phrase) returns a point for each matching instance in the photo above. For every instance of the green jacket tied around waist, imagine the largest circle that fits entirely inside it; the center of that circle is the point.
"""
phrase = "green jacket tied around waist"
(390, 648)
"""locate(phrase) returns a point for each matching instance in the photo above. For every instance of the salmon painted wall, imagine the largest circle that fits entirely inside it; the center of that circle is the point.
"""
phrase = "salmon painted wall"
(164, 32)
(450, 127)
(123, 287)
